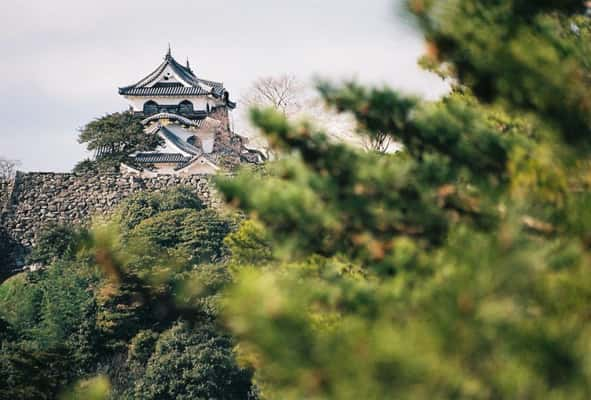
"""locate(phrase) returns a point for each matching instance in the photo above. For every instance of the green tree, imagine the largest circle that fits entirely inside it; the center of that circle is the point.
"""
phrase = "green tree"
(198, 234)
(113, 138)
(455, 269)
(142, 206)
(31, 375)
(49, 339)
(55, 241)
(193, 363)
(7, 248)
(249, 244)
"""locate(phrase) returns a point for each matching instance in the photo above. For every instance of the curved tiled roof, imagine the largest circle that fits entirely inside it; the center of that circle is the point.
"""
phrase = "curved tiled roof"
(185, 74)
(217, 88)
(179, 143)
(155, 158)
(164, 115)
(211, 83)
(164, 91)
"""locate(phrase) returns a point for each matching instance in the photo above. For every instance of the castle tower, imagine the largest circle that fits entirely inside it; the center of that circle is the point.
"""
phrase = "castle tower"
(191, 115)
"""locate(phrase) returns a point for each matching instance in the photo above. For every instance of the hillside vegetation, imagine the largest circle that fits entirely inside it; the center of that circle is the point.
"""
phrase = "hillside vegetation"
(112, 303)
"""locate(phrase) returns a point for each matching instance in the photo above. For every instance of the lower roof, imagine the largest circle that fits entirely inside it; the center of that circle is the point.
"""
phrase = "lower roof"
(156, 158)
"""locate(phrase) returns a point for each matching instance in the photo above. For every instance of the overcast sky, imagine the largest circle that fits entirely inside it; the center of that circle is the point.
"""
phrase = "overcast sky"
(63, 60)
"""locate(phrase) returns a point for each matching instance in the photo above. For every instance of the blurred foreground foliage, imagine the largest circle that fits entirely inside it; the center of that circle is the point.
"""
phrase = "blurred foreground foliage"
(457, 268)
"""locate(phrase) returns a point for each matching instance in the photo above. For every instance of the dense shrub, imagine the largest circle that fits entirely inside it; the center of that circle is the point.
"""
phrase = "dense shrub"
(198, 236)
(50, 307)
(193, 363)
(9, 250)
(142, 205)
(55, 241)
(249, 244)
(21, 301)
(27, 374)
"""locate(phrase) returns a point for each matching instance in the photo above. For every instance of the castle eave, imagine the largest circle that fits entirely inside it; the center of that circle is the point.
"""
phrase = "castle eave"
(163, 91)
(158, 158)
(175, 117)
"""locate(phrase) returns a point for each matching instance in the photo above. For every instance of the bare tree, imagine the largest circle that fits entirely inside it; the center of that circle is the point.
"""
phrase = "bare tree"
(8, 168)
(284, 93)
(297, 100)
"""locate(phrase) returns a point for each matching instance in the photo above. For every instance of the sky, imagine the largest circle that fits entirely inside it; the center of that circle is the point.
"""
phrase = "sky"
(63, 60)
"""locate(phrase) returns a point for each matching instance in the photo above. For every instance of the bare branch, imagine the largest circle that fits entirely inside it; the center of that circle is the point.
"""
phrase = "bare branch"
(296, 100)
(283, 93)
(8, 168)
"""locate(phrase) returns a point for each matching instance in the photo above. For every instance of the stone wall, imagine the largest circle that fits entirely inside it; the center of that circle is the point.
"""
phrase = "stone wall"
(4, 193)
(227, 146)
(6, 186)
(34, 200)
(229, 149)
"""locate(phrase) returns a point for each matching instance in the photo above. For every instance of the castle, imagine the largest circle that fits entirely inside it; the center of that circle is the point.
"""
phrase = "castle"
(192, 116)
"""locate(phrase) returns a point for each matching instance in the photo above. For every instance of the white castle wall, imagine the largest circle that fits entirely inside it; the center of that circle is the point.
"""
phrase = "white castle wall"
(199, 102)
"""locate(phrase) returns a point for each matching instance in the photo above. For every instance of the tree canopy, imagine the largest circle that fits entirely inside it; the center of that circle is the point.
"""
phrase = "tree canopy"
(112, 138)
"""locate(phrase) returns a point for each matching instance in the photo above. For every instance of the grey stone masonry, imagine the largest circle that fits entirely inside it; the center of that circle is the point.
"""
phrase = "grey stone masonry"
(5, 191)
(31, 201)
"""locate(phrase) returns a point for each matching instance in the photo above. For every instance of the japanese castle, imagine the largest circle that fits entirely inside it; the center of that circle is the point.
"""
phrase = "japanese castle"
(191, 115)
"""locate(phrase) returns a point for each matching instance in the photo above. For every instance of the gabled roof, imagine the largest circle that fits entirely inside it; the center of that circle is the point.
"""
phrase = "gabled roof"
(203, 159)
(194, 85)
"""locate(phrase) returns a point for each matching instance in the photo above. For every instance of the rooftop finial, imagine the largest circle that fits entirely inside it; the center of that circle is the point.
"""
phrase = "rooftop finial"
(188, 65)
(169, 52)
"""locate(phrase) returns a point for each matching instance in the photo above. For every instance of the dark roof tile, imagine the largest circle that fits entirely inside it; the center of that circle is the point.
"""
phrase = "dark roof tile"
(143, 88)
(155, 158)
(179, 143)
(163, 91)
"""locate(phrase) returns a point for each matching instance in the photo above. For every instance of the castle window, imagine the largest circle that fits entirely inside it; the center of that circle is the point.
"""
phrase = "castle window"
(150, 107)
(185, 107)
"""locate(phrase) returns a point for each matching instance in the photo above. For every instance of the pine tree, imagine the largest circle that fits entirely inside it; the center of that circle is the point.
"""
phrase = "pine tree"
(113, 138)
(457, 268)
